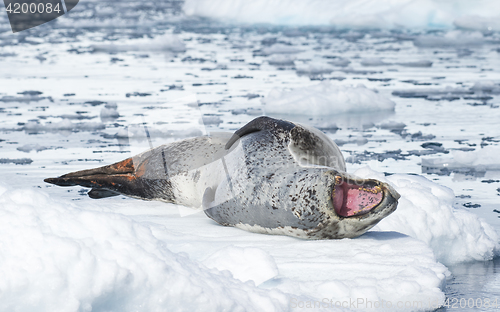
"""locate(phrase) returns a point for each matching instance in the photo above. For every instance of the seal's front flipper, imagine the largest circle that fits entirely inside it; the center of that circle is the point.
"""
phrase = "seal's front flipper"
(96, 193)
(211, 208)
(258, 124)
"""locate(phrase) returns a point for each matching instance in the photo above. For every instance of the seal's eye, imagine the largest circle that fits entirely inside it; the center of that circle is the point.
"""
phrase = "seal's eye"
(354, 200)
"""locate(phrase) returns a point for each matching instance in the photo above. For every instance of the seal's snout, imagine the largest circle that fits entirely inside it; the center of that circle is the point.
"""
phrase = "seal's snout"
(392, 191)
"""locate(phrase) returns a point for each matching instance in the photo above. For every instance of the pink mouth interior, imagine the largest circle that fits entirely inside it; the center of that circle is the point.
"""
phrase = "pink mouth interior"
(351, 199)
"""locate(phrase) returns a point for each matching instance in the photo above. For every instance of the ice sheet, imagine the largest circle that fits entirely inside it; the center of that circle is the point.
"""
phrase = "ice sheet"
(60, 255)
(352, 14)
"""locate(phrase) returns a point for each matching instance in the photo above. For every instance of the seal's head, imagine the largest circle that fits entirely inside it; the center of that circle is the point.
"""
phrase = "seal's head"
(357, 204)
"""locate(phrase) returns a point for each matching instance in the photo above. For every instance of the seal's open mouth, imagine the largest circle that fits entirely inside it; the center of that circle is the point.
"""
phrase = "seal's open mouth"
(354, 200)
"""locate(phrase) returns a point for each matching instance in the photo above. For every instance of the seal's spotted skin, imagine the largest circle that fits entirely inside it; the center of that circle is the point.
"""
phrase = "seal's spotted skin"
(271, 176)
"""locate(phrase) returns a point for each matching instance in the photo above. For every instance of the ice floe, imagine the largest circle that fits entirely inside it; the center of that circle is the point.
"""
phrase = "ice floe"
(67, 256)
(314, 69)
(109, 112)
(164, 43)
(59, 257)
(452, 39)
(325, 98)
(281, 60)
(467, 162)
(64, 125)
(30, 147)
(352, 13)
(279, 49)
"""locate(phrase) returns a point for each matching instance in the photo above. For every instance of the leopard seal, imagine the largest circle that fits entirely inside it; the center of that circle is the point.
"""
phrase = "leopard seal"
(271, 176)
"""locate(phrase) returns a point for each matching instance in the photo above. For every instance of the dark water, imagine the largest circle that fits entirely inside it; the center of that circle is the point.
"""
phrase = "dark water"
(474, 286)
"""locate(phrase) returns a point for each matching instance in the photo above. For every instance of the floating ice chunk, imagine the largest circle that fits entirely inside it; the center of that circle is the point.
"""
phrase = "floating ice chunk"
(487, 86)
(164, 43)
(392, 125)
(444, 97)
(452, 39)
(327, 126)
(433, 94)
(95, 102)
(422, 63)
(374, 61)
(127, 20)
(66, 124)
(24, 98)
(340, 62)
(425, 211)
(314, 69)
(325, 98)
(29, 147)
(359, 72)
(138, 132)
(37, 126)
(248, 111)
(295, 33)
(19, 161)
(77, 116)
(31, 93)
(210, 120)
(123, 133)
(468, 162)
(141, 94)
(476, 22)
(484, 85)
(60, 257)
(281, 60)
(244, 263)
(109, 112)
(280, 49)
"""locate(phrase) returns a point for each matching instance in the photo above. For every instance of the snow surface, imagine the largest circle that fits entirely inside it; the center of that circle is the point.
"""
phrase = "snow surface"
(59, 255)
(325, 98)
(397, 14)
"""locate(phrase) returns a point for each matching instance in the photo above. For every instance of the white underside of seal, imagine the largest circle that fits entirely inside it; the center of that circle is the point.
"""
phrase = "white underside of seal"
(285, 230)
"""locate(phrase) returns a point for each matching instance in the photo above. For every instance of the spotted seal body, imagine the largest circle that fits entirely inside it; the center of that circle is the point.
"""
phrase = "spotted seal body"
(271, 176)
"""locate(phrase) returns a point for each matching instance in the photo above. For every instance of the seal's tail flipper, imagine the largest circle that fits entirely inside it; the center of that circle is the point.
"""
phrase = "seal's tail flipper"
(84, 177)
(119, 178)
